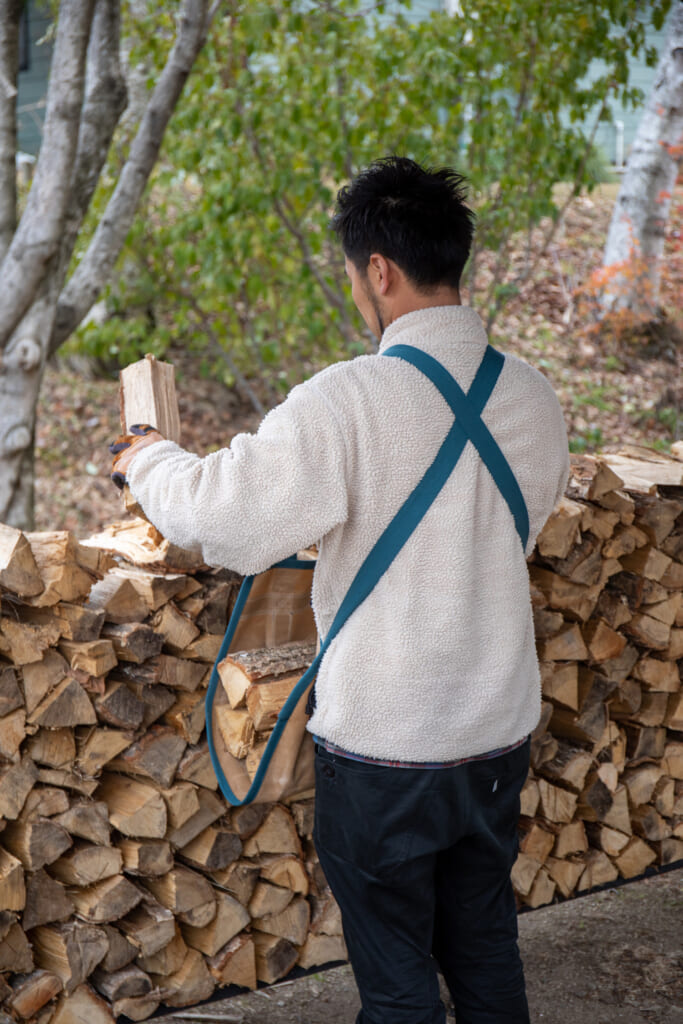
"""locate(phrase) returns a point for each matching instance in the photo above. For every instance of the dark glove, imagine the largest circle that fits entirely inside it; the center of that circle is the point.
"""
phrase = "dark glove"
(127, 445)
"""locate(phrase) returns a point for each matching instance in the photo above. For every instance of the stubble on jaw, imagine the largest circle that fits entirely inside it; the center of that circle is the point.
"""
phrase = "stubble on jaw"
(376, 308)
(380, 320)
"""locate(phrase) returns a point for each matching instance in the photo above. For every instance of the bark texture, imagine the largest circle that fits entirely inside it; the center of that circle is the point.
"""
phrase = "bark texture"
(86, 98)
(94, 269)
(636, 236)
(10, 13)
(39, 231)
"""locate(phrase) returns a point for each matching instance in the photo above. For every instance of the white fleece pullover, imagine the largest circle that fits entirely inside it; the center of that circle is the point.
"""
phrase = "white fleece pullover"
(439, 662)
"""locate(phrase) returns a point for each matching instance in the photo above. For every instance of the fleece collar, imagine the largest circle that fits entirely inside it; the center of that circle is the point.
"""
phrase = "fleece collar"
(460, 323)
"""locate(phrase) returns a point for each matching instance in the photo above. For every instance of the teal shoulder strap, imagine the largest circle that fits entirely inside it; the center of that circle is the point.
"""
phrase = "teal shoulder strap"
(467, 426)
(468, 411)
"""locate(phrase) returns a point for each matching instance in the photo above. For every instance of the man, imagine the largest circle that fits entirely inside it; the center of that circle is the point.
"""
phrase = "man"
(426, 698)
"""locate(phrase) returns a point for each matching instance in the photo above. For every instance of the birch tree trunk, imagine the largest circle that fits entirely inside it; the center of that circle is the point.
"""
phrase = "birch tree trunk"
(10, 14)
(635, 242)
(39, 308)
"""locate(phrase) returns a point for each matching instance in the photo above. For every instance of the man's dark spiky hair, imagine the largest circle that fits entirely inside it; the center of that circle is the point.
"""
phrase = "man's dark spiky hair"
(414, 216)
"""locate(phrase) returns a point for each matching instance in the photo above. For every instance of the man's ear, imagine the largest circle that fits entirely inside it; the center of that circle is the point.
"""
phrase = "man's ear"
(382, 272)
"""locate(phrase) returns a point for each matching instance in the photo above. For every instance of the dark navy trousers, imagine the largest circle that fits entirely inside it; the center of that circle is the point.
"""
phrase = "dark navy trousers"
(419, 861)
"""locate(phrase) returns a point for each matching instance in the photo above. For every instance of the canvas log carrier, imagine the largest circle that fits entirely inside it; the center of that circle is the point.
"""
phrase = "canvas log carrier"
(271, 611)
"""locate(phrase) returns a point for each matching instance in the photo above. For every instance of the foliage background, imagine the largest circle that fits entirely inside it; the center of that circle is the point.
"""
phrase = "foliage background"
(231, 252)
(230, 270)
(614, 390)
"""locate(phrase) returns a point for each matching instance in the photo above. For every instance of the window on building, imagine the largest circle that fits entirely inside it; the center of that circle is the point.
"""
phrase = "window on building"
(24, 41)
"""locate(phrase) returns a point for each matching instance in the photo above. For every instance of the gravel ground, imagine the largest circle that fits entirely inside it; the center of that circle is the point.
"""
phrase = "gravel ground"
(613, 957)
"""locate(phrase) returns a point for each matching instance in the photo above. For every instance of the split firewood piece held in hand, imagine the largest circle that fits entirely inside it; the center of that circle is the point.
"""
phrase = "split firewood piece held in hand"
(147, 394)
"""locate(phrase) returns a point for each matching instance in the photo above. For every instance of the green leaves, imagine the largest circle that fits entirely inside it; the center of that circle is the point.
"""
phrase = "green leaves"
(290, 99)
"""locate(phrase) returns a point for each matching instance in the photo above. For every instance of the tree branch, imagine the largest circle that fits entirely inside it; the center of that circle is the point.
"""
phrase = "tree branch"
(40, 229)
(241, 382)
(530, 268)
(287, 216)
(105, 101)
(343, 121)
(242, 313)
(10, 15)
(495, 301)
(573, 193)
(92, 273)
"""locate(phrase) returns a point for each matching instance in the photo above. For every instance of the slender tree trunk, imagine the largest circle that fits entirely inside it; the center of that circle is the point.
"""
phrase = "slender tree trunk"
(632, 260)
(40, 229)
(22, 373)
(38, 311)
(10, 13)
(35, 263)
(93, 272)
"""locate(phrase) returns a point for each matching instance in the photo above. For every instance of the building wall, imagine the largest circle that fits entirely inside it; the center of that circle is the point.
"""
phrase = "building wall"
(32, 84)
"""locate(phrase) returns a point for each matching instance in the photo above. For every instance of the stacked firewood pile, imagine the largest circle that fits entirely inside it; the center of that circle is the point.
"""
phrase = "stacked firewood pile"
(125, 879)
(119, 861)
(604, 798)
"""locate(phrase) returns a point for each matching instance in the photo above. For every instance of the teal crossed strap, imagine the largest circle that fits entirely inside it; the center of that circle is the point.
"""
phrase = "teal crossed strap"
(467, 426)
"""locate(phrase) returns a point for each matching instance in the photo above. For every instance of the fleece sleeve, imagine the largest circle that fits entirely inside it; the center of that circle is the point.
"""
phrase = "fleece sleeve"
(264, 498)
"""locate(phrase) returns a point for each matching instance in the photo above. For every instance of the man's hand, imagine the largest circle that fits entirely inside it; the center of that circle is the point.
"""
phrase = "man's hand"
(126, 447)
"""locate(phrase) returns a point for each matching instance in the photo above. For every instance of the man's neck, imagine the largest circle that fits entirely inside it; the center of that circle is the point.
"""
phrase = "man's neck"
(412, 300)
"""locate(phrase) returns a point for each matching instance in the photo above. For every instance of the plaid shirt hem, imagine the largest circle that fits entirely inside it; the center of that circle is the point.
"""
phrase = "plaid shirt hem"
(332, 748)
